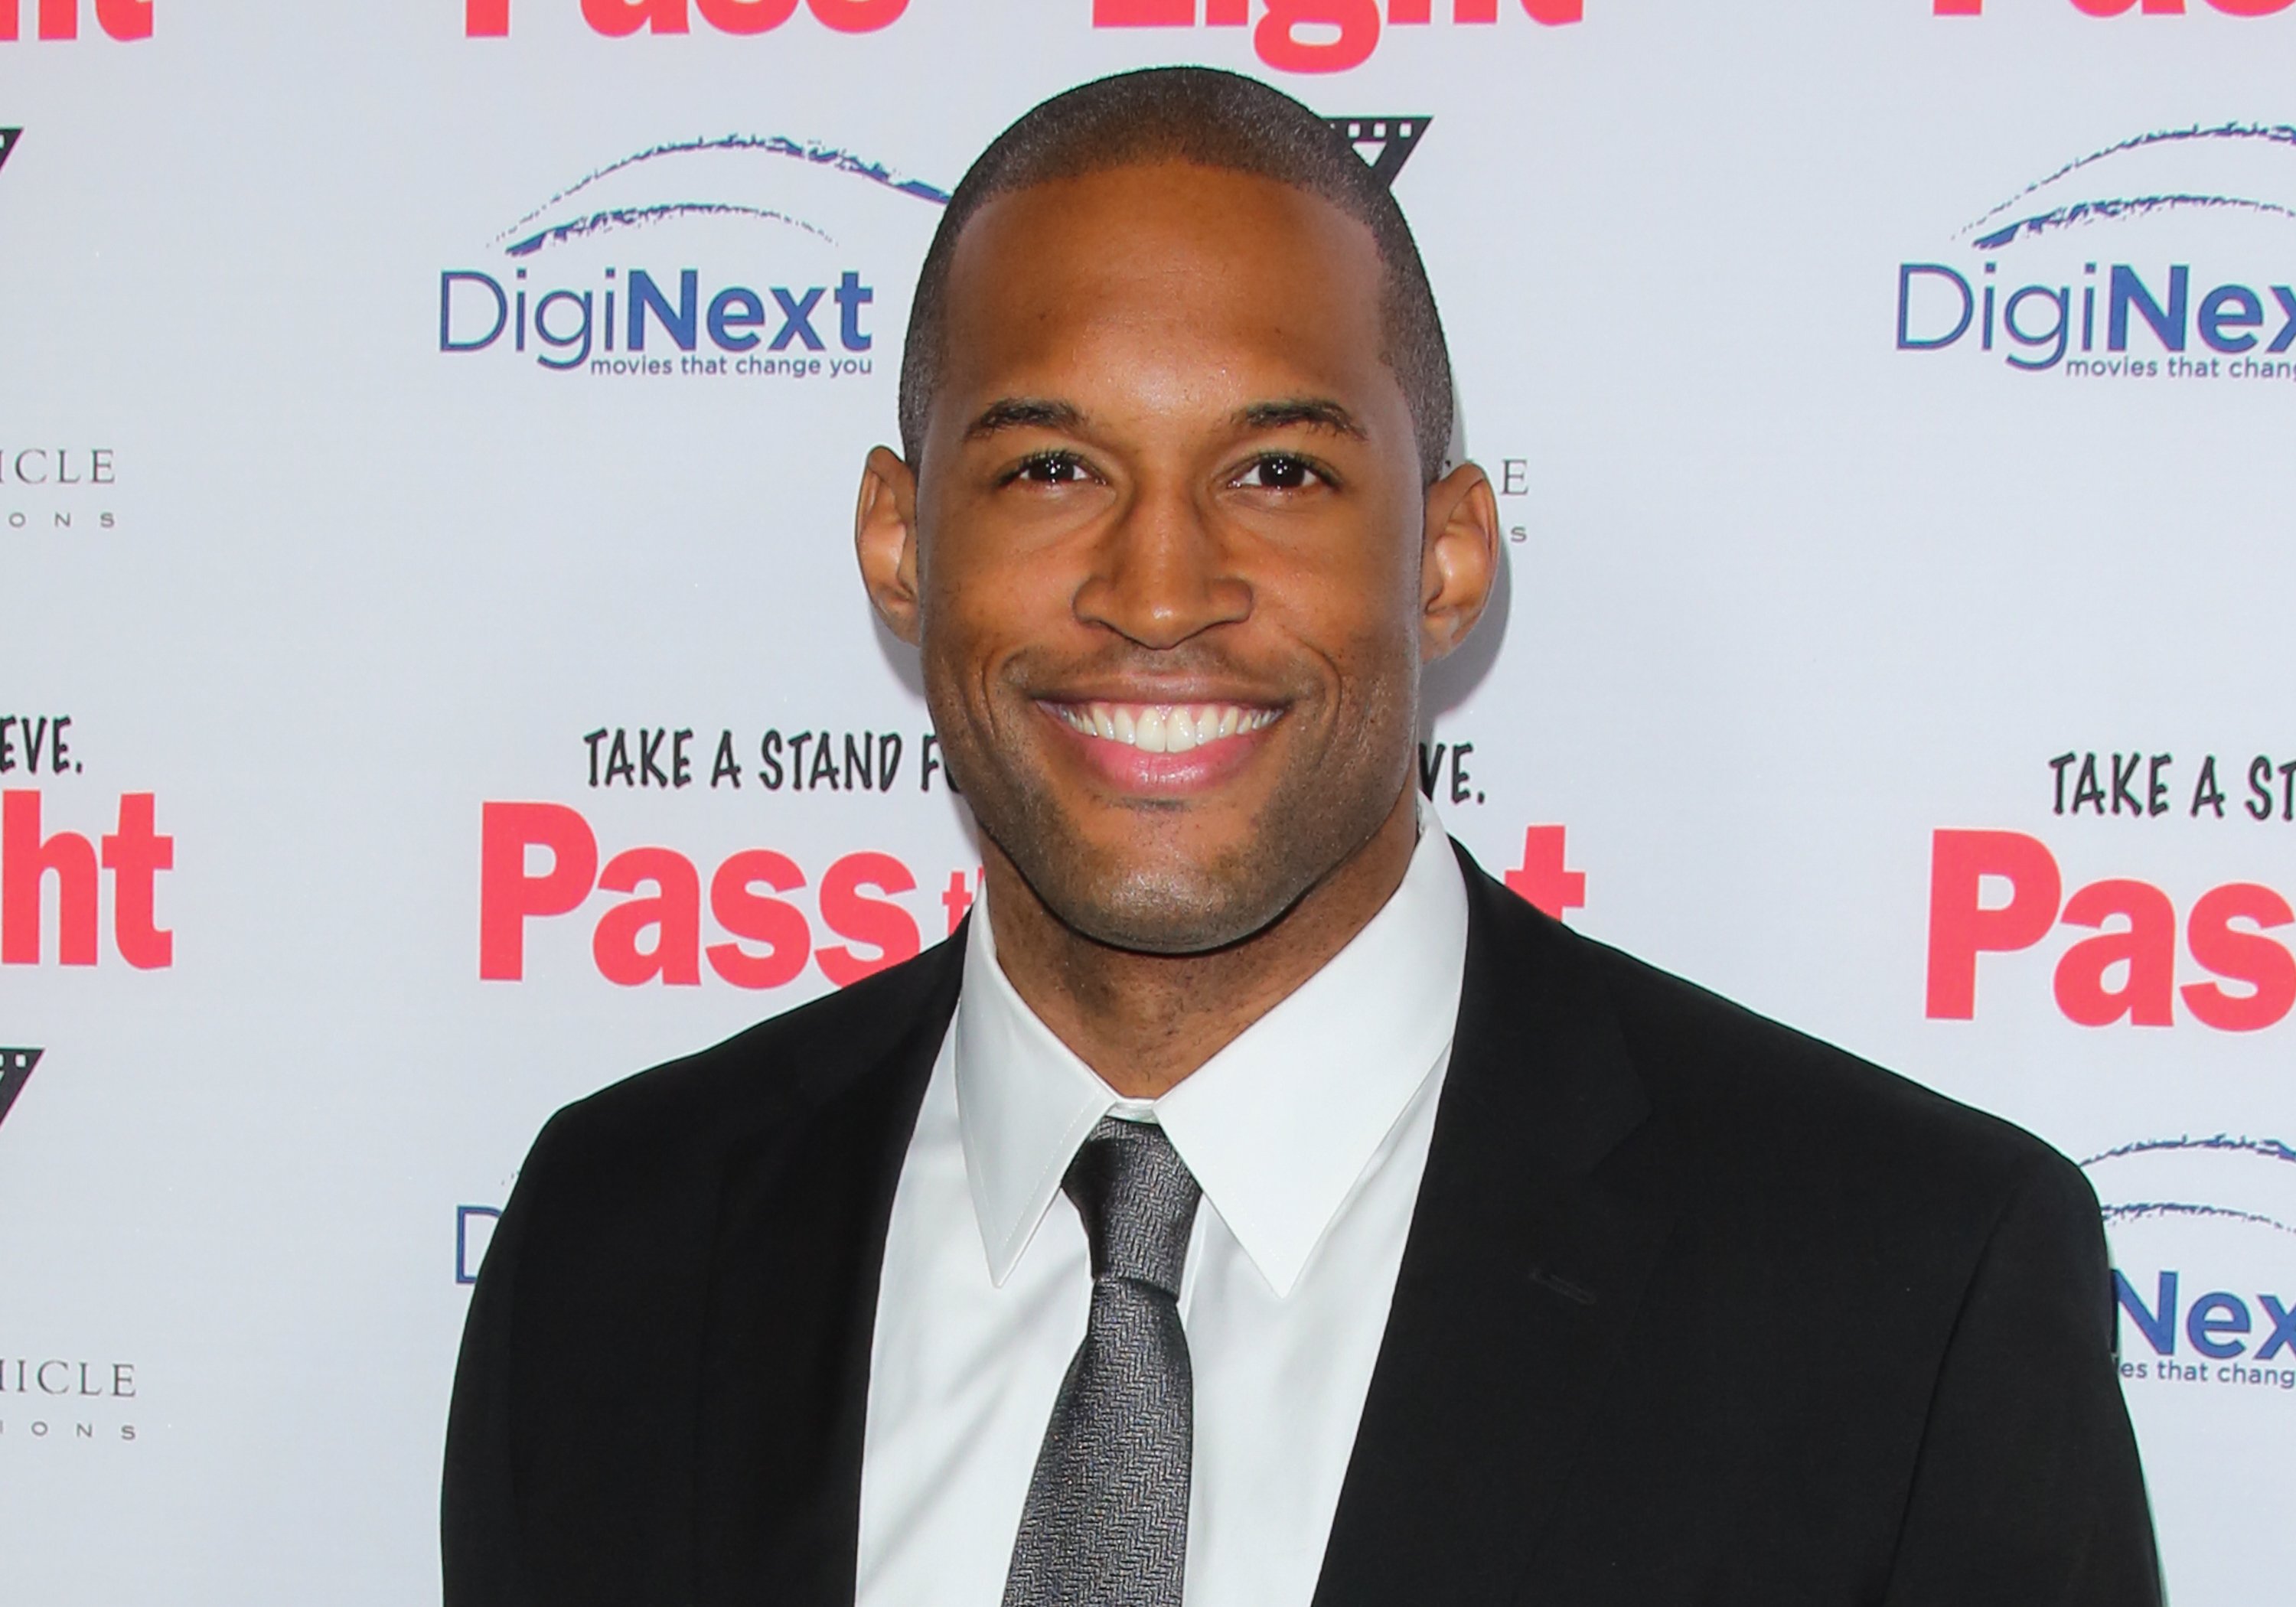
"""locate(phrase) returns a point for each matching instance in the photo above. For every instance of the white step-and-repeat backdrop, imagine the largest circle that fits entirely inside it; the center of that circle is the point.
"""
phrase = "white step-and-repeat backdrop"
(433, 684)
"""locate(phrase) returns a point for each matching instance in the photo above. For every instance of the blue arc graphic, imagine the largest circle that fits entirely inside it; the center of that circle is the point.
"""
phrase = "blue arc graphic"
(2136, 1210)
(1991, 235)
(523, 240)
(631, 218)
(2120, 208)
(2265, 1149)
(2228, 1146)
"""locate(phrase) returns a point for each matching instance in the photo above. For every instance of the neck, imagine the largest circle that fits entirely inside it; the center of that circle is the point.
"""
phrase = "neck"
(1143, 1021)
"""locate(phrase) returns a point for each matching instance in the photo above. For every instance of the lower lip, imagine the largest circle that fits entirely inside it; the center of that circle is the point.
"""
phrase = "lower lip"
(1136, 771)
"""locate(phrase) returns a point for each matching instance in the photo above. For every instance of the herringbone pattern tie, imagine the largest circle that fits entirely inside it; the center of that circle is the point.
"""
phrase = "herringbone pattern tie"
(1106, 1523)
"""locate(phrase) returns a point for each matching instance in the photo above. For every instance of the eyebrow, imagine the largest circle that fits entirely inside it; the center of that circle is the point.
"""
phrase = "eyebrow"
(1024, 413)
(1315, 413)
(1042, 412)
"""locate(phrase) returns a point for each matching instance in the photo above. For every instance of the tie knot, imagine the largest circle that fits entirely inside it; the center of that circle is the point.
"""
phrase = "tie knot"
(1138, 1202)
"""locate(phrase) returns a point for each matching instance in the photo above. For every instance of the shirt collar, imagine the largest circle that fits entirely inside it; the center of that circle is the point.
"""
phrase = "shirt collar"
(1277, 1127)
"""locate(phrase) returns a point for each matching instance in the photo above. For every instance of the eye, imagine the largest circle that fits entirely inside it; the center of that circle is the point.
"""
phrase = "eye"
(1055, 468)
(1281, 471)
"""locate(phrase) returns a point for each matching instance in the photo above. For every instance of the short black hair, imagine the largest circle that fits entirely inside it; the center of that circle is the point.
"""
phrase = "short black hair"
(1209, 118)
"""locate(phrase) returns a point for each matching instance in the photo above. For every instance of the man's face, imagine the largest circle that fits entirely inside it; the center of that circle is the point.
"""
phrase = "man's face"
(1166, 560)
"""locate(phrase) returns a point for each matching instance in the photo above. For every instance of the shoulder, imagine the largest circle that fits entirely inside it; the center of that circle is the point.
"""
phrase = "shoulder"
(1754, 1116)
(680, 1120)
(1762, 1088)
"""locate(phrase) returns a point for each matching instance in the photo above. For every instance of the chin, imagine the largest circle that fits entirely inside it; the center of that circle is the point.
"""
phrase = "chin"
(1166, 909)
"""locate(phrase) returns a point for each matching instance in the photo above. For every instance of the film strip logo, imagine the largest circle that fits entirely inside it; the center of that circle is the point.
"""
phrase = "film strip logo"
(1386, 142)
(15, 1070)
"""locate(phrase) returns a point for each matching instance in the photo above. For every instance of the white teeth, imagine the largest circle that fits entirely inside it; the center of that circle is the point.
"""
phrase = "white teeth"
(1165, 728)
(1148, 731)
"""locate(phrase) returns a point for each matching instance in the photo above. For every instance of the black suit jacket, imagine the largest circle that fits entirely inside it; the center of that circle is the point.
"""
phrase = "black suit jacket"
(1693, 1309)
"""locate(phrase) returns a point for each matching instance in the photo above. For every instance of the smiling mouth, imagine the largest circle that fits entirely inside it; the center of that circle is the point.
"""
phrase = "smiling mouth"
(1165, 727)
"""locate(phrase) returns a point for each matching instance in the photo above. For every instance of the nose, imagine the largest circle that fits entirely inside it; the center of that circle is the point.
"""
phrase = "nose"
(1161, 574)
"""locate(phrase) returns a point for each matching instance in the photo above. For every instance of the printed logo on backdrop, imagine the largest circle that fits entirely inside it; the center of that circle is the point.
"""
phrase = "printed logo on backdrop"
(54, 1400)
(50, 1402)
(2085, 915)
(2117, 8)
(63, 489)
(1385, 142)
(2166, 257)
(2133, 946)
(709, 258)
(2213, 1305)
(619, 19)
(124, 19)
(16, 1067)
(474, 1230)
(57, 862)
(60, 489)
(1325, 36)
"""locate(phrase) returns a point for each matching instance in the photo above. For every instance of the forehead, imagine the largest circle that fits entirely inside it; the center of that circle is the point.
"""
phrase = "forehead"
(1164, 275)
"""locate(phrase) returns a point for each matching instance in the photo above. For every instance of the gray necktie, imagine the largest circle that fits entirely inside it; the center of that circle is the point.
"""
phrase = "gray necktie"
(1106, 1523)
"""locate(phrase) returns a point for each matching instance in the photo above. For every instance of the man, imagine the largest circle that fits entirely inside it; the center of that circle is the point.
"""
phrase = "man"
(1254, 1201)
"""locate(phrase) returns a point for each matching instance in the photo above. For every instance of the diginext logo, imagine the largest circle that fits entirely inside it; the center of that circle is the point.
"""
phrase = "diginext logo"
(2218, 1200)
(1323, 36)
(2224, 1337)
(582, 285)
(59, 19)
(618, 19)
(2168, 256)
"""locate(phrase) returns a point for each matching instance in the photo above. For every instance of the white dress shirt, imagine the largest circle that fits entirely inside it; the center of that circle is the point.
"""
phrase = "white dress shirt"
(1308, 1133)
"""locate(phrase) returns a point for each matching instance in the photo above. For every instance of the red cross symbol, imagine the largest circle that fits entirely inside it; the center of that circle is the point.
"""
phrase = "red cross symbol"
(956, 898)
(1541, 879)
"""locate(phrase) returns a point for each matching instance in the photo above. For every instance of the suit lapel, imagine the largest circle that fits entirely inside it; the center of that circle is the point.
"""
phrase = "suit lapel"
(800, 1246)
(1519, 1282)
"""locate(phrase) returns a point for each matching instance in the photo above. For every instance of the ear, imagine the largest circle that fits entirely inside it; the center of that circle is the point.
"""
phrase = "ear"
(885, 541)
(1459, 559)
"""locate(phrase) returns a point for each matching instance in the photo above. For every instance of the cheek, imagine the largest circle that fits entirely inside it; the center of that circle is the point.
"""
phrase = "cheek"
(1361, 614)
(1371, 641)
(988, 577)
(975, 655)
(1366, 571)
(975, 599)
(978, 624)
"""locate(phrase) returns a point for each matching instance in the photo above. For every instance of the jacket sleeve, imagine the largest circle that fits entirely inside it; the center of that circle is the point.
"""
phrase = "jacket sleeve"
(481, 1551)
(2028, 1489)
